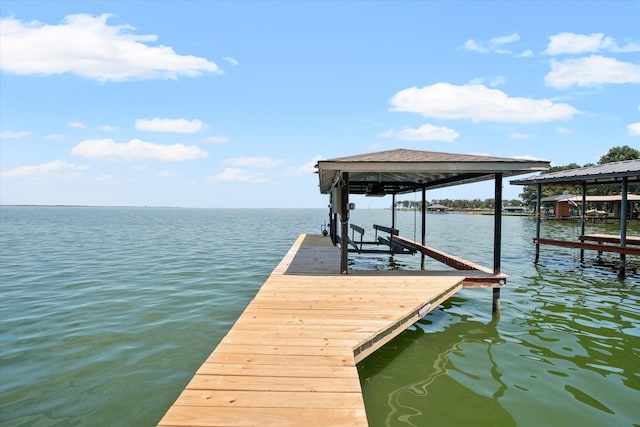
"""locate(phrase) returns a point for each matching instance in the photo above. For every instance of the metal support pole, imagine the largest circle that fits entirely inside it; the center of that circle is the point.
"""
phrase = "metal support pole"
(332, 225)
(393, 221)
(623, 226)
(538, 217)
(344, 221)
(497, 237)
(497, 224)
(495, 306)
(424, 225)
(334, 228)
(393, 211)
(583, 213)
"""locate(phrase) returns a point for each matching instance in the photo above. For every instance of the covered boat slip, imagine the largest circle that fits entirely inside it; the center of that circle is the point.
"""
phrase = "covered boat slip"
(407, 171)
(290, 359)
(616, 174)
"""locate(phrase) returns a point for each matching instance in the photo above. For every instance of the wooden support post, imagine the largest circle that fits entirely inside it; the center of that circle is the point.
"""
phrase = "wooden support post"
(497, 237)
(424, 225)
(344, 221)
(538, 218)
(623, 226)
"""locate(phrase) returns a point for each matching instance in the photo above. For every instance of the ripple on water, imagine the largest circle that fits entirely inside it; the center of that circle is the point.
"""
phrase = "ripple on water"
(106, 314)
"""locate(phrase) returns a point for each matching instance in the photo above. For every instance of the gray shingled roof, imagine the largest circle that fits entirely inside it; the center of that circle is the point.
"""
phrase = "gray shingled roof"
(608, 173)
(404, 155)
(402, 171)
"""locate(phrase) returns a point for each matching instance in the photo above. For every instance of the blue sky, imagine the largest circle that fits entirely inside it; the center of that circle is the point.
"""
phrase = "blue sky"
(230, 104)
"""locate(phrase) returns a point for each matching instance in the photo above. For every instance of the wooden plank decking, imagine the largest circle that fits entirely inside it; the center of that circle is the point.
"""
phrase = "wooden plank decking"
(290, 359)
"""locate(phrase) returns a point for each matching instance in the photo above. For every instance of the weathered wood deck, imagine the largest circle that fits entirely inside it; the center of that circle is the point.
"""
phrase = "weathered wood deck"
(290, 359)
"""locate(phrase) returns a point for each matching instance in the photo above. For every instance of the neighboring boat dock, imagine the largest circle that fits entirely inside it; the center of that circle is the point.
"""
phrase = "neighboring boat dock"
(616, 174)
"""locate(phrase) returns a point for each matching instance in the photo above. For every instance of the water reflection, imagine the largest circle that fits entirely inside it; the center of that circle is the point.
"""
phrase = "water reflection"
(433, 385)
(564, 352)
(592, 323)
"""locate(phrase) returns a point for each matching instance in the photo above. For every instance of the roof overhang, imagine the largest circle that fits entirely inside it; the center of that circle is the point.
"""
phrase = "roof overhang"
(405, 171)
(608, 173)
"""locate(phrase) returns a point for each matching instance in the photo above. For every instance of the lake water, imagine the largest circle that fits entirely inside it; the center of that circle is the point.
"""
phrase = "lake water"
(106, 313)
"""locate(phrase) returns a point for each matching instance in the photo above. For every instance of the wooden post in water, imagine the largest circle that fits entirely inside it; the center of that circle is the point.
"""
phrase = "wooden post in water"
(623, 226)
(344, 221)
(424, 225)
(497, 237)
(538, 218)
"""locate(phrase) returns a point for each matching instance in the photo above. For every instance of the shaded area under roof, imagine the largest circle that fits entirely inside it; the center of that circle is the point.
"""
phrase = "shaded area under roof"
(404, 171)
(608, 173)
(593, 199)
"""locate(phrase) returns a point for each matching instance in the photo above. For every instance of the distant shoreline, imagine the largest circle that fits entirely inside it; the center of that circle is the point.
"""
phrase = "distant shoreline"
(144, 207)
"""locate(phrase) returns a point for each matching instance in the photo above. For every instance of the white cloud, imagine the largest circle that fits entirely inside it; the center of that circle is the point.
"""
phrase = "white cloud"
(9, 134)
(108, 149)
(563, 131)
(77, 125)
(56, 167)
(494, 45)
(497, 81)
(478, 103)
(634, 129)
(590, 71)
(518, 135)
(505, 39)
(526, 157)
(88, 46)
(169, 125)
(426, 132)
(525, 54)
(239, 175)
(571, 43)
(216, 139)
(254, 162)
(109, 128)
(230, 60)
(475, 47)
(307, 168)
(168, 174)
(494, 81)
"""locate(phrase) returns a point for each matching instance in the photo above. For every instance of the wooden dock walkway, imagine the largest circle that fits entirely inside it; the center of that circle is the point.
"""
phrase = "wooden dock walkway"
(290, 359)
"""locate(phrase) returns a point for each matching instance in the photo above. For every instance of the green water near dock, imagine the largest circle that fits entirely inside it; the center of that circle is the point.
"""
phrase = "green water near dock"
(106, 313)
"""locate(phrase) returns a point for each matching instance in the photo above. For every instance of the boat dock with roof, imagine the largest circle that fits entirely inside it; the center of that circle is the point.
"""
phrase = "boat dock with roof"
(609, 174)
(290, 359)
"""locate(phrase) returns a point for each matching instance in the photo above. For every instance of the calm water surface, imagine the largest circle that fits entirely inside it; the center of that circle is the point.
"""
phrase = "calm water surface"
(106, 313)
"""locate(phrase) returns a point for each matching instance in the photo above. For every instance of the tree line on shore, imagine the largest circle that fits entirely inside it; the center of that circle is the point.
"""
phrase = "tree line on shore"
(456, 204)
